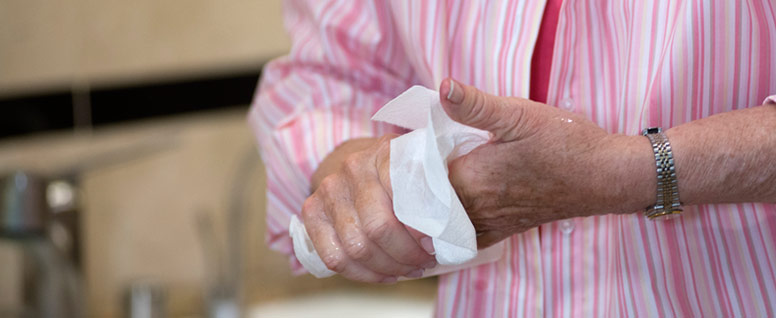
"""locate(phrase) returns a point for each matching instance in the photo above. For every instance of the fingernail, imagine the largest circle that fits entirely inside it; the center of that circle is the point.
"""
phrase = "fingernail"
(454, 92)
(415, 274)
(388, 280)
(427, 245)
(430, 264)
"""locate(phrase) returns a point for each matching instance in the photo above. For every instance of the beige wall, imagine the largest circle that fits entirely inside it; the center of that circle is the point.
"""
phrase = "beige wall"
(138, 216)
(56, 44)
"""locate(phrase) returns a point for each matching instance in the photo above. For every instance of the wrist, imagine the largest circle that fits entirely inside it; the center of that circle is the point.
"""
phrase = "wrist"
(631, 184)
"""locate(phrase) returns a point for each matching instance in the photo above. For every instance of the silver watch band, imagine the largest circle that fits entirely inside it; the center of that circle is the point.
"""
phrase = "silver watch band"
(667, 203)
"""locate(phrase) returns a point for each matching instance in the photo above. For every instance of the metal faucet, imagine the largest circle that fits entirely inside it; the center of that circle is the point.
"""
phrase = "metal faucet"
(40, 215)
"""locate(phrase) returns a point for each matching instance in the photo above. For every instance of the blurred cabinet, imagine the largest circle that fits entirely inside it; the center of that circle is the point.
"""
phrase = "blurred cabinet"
(47, 45)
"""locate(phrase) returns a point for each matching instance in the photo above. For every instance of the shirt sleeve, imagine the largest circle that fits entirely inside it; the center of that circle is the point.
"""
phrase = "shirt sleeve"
(345, 63)
(770, 100)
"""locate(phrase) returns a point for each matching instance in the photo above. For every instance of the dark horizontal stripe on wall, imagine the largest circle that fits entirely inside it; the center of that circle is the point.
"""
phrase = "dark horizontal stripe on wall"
(22, 115)
(120, 104)
(60, 110)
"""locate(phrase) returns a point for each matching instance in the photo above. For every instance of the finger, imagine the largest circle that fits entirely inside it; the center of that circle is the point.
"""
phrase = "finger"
(381, 227)
(425, 242)
(361, 249)
(472, 107)
(357, 246)
(329, 247)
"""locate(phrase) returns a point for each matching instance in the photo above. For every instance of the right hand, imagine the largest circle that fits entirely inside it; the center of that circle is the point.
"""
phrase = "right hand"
(350, 217)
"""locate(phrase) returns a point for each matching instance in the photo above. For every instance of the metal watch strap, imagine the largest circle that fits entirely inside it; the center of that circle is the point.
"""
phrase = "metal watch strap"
(667, 203)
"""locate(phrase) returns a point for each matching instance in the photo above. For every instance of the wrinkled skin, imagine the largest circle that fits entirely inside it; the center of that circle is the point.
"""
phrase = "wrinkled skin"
(542, 164)
(350, 218)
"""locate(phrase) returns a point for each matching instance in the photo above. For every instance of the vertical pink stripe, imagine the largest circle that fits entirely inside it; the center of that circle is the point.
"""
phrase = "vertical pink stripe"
(711, 246)
(762, 292)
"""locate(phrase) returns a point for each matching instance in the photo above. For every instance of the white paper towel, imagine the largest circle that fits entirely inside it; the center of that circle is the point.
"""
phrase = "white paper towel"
(423, 197)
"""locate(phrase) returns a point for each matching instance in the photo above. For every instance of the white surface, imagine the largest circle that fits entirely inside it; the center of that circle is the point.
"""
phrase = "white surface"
(344, 304)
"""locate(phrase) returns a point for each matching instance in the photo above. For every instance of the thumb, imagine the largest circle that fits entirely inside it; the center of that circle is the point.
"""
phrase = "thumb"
(472, 107)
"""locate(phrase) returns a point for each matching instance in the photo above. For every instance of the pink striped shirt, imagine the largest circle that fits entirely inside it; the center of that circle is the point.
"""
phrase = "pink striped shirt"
(625, 65)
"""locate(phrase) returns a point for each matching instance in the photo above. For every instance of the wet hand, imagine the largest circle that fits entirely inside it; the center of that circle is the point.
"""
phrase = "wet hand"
(350, 218)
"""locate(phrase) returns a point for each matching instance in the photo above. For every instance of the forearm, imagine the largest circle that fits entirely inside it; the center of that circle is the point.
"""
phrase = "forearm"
(725, 158)
(728, 157)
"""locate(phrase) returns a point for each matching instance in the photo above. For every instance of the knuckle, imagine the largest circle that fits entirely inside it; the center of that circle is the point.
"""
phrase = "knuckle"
(378, 229)
(352, 164)
(334, 262)
(357, 249)
(309, 209)
(525, 118)
(309, 203)
(512, 109)
(478, 110)
(329, 184)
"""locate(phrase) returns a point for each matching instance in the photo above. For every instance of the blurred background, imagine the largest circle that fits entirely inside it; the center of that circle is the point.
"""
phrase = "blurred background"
(131, 184)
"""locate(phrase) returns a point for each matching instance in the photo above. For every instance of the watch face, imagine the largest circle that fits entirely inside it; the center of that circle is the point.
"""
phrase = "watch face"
(651, 130)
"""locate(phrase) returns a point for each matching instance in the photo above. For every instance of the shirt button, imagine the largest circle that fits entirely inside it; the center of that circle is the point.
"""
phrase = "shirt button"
(566, 227)
(567, 104)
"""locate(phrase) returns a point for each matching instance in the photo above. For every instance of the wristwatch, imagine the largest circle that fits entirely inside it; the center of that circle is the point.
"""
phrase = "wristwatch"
(667, 204)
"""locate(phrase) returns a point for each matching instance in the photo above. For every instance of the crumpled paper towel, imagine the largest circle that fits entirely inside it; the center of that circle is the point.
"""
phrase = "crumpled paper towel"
(423, 197)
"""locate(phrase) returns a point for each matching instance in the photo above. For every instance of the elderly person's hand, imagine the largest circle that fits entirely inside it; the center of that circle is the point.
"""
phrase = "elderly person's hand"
(542, 164)
(350, 218)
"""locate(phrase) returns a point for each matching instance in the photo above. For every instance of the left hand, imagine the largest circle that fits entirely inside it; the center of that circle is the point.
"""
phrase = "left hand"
(542, 164)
